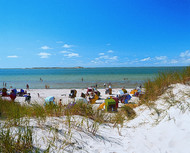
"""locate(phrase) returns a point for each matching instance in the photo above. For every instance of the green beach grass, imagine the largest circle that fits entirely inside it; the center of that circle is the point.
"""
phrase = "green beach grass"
(155, 88)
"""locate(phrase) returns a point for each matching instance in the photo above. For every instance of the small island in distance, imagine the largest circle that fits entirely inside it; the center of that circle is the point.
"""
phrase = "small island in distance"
(77, 67)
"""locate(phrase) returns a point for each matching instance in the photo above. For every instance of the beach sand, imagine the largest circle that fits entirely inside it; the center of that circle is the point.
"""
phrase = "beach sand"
(64, 95)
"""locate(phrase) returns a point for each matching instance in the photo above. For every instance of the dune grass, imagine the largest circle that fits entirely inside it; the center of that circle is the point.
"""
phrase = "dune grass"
(15, 117)
(155, 88)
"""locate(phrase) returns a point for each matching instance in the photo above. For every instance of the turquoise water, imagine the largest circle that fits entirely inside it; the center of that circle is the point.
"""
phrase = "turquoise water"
(72, 78)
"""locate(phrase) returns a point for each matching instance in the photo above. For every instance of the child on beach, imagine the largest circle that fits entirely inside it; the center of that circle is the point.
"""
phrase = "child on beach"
(60, 102)
(28, 98)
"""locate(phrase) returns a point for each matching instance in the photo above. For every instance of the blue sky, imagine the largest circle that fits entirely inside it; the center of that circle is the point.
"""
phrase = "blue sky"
(99, 33)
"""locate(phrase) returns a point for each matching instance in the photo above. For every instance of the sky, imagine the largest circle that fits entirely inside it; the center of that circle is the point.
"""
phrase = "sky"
(94, 33)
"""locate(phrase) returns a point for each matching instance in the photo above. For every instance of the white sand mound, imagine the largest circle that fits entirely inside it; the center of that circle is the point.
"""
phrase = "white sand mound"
(162, 128)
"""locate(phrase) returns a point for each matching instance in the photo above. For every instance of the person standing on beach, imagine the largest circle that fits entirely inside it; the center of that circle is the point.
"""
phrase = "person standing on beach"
(104, 85)
(27, 86)
(12, 95)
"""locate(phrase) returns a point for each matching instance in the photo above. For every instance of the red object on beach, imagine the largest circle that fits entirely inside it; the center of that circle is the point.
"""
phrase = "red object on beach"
(89, 89)
(116, 100)
(12, 96)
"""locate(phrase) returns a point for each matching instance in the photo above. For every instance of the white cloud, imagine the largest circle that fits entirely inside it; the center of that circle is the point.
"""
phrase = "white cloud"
(145, 59)
(12, 56)
(67, 46)
(104, 57)
(59, 42)
(44, 55)
(101, 54)
(94, 61)
(65, 52)
(185, 54)
(161, 58)
(45, 47)
(110, 51)
(173, 61)
(114, 58)
(70, 55)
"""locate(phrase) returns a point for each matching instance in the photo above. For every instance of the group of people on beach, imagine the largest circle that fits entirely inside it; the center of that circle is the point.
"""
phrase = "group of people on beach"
(13, 93)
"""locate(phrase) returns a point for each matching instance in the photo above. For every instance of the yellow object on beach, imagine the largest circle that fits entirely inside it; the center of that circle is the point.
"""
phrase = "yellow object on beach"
(131, 105)
(124, 90)
(133, 91)
(93, 101)
(101, 106)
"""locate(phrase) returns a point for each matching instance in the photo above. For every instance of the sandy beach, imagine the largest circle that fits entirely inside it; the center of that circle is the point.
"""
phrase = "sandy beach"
(64, 95)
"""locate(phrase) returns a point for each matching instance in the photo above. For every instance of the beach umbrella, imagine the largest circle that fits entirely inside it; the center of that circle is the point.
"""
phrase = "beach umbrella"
(49, 99)
(80, 99)
(120, 92)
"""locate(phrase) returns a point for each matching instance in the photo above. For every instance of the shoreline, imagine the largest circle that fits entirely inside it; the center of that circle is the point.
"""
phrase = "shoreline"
(78, 85)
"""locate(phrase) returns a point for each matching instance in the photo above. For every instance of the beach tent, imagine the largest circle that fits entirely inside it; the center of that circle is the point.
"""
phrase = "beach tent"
(80, 100)
(49, 100)
(120, 92)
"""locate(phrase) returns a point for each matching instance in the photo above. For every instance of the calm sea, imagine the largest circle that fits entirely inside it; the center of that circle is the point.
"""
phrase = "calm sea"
(128, 77)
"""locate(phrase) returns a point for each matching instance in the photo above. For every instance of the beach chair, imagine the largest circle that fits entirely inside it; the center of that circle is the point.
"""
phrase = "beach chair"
(4, 92)
(124, 90)
(83, 95)
(21, 93)
(107, 91)
(28, 98)
(110, 105)
(97, 92)
(116, 100)
(73, 94)
(93, 101)
(110, 91)
(89, 89)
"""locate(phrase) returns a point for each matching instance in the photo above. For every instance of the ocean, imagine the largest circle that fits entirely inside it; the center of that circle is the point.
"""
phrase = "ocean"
(68, 78)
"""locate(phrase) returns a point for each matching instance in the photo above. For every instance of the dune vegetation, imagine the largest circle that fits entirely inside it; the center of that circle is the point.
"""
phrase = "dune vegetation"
(155, 88)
